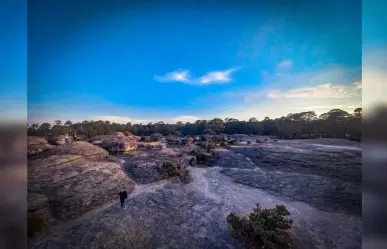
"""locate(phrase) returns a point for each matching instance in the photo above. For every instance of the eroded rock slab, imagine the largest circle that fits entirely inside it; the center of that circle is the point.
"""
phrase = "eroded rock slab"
(115, 142)
(146, 166)
(72, 184)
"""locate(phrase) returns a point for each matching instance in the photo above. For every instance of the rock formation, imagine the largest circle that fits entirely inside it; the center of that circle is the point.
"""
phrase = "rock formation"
(69, 180)
(36, 145)
(115, 142)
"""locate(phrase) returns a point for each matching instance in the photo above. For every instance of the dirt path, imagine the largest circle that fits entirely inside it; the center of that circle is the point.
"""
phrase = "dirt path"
(139, 189)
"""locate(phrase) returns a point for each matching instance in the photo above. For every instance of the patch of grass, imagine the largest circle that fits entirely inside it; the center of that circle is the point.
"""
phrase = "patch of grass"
(34, 225)
(177, 170)
(263, 228)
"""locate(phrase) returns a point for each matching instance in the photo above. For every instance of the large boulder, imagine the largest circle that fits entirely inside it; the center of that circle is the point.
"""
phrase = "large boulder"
(127, 133)
(116, 133)
(80, 148)
(156, 136)
(37, 145)
(117, 142)
(146, 166)
(57, 140)
(64, 184)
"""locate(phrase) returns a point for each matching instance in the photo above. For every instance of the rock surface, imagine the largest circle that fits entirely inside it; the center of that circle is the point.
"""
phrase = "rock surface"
(57, 140)
(312, 178)
(146, 166)
(71, 179)
(37, 145)
(115, 142)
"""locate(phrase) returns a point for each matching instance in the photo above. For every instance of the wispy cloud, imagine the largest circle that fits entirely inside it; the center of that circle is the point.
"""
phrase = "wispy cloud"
(217, 77)
(285, 64)
(326, 91)
(175, 76)
(184, 76)
(121, 119)
(319, 98)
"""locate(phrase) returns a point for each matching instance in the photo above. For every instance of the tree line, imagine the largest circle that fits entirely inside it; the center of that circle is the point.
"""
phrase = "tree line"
(334, 124)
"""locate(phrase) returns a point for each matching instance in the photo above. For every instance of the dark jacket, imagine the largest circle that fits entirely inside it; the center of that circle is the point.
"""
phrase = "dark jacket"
(123, 195)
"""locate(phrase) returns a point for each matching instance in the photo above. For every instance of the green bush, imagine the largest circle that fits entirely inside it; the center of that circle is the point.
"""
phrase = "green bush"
(201, 156)
(263, 228)
(207, 146)
(34, 225)
(177, 169)
(223, 144)
(146, 139)
(233, 142)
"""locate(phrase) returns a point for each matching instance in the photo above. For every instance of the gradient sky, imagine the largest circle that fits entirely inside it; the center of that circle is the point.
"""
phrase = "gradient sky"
(133, 61)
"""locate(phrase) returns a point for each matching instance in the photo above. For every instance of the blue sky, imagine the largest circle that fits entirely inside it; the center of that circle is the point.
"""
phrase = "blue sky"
(134, 61)
(13, 60)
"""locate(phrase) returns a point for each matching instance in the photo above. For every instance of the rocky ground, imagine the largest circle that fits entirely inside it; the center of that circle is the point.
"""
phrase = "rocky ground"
(318, 180)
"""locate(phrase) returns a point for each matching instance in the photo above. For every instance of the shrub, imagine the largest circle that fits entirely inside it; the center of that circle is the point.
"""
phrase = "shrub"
(233, 142)
(263, 228)
(248, 142)
(146, 139)
(201, 156)
(207, 146)
(34, 224)
(177, 169)
(223, 144)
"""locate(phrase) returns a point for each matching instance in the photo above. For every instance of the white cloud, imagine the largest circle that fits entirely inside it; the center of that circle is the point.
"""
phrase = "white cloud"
(183, 76)
(285, 64)
(217, 77)
(121, 119)
(275, 103)
(175, 76)
(325, 91)
(374, 78)
(185, 119)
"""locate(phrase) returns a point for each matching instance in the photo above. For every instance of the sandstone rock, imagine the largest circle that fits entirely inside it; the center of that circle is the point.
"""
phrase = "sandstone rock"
(127, 133)
(156, 136)
(72, 183)
(116, 142)
(116, 133)
(37, 145)
(36, 140)
(147, 166)
(80, 148)
(58, 140)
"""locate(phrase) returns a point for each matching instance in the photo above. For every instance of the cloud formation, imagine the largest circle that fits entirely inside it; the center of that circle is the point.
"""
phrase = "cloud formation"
(319, 98)
(325, 91)
(175, 76)
(285, 64)
(183, 76)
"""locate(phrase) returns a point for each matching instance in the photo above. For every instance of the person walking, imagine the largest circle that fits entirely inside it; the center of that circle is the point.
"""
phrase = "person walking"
(67, 138)
(123, 195)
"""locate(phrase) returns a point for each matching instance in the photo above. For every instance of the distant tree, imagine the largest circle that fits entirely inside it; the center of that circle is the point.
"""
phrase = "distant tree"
(335, 123)
(358, 112)
(45, 126)
(34, 126)
(68, 123)
(58, 122)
